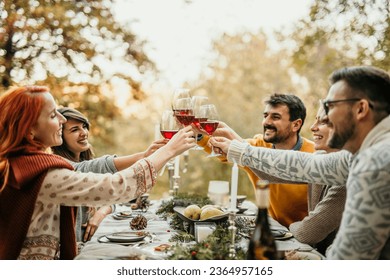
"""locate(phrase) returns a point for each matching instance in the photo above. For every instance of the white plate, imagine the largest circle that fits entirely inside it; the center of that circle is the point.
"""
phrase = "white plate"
(125, 236)
(287, 235)
(123, 215)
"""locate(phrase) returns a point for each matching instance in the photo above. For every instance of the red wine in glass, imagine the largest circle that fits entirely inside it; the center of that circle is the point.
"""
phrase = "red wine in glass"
(185, 120)
(168, 134)
(182, 112)
(209, 126)
(196, 121)
(184, 116)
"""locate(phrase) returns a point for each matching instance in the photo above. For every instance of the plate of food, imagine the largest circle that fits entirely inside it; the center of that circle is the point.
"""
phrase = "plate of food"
(126, 236)
(280, 234)
(122, 215)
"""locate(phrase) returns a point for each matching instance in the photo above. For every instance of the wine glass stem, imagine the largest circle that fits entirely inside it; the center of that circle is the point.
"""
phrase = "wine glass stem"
(213, 153)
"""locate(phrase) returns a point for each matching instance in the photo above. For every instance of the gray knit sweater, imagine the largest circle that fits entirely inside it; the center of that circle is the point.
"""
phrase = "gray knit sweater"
(364, 231)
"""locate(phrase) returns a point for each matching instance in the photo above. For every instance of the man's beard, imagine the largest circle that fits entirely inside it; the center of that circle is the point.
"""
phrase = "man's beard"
(339, 138)
(276, 138)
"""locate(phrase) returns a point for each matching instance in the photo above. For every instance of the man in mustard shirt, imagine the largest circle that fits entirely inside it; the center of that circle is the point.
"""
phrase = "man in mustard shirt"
(283, 118)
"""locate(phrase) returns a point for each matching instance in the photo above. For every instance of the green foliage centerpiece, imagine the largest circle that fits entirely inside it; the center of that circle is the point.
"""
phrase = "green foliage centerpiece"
(214, 247)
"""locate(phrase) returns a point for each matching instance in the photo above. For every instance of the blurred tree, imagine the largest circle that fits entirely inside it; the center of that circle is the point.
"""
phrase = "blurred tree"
(244, 72)
(76, 48)
(359, 28)
(335, 34)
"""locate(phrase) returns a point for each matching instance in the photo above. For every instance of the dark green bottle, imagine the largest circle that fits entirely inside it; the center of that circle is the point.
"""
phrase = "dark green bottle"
(262, 243)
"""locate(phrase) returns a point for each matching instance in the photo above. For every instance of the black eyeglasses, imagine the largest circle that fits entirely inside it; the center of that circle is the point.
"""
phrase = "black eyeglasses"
(326, 104)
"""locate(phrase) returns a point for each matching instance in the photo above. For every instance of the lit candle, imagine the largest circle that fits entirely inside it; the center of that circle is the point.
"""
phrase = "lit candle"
(233, 190)
(177, 166)
(157, 134)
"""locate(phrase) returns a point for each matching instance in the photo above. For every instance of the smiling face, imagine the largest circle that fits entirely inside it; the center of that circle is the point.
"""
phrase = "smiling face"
(75, 134)
(277, 125)
(341, 117)
(48, 129)
(321, 130)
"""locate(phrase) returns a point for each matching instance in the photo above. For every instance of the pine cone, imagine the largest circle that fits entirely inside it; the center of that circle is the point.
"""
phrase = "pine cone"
(139, 222)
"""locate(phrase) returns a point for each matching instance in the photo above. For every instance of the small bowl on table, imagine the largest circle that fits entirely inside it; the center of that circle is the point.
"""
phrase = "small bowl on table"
(240, 200)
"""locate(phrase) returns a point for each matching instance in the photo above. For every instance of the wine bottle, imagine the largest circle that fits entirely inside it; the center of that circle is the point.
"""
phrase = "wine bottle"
(262, 243)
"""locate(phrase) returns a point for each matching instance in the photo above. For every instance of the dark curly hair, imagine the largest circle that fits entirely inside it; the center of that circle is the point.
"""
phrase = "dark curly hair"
(296, 108)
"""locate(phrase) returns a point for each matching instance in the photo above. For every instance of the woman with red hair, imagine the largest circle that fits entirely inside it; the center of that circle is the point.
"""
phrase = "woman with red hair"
(38, 190)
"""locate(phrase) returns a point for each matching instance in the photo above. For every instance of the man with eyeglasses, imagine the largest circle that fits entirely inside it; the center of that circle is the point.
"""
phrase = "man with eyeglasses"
(358, 108)
(326, 103)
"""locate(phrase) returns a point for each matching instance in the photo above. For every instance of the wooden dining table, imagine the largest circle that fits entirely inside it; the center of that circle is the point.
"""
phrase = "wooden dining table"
(158, 234)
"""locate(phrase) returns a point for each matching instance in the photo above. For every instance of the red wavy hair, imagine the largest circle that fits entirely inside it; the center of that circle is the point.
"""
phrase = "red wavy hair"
(20, 108)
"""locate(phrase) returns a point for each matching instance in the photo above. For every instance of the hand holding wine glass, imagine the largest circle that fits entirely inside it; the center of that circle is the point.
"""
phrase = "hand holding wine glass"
(182, 141)
(209, 123)
(179, 143)
(221, 143)
(197, 101)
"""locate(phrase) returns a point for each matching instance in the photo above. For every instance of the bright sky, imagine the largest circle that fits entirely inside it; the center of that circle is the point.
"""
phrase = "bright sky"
(179, 35)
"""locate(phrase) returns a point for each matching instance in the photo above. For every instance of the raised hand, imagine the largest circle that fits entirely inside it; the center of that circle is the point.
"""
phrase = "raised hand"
(222, 143)
(183, 140)
(223, 130)
(157, 144)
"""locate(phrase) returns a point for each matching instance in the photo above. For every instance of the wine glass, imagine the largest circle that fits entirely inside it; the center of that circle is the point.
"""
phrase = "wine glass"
(218, 192)
(168, 124)
(179, 93)
(182, 109)
(197, 101)
(209, 122)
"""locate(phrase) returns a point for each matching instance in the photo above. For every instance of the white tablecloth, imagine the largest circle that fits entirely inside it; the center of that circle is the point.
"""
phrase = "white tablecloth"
(161, 233)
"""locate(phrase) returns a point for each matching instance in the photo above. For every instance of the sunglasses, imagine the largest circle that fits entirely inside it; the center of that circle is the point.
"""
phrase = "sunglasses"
(326, 103)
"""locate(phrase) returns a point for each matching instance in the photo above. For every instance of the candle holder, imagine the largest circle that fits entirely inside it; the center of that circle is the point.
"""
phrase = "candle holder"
(170, 167)
(176, 180)
(232, 230)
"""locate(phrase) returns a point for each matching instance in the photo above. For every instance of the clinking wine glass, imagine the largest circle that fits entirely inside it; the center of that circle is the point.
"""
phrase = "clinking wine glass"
(197, 101)
(168, 124)
(179, 93)
(183, 112)
(209, 122)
